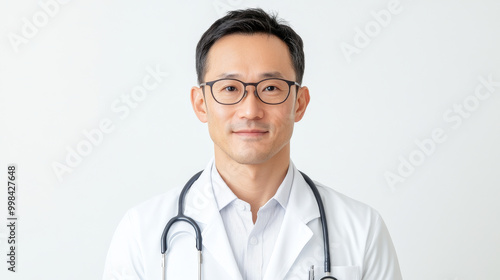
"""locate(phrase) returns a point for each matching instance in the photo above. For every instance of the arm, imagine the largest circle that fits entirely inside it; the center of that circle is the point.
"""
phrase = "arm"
(380, 261)
(125, 259)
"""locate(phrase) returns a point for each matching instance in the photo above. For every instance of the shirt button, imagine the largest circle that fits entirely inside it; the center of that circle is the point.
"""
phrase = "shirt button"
(254, 240)
(241, 206)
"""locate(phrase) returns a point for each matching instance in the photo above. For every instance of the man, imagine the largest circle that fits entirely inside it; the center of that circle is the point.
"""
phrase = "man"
(258, 217)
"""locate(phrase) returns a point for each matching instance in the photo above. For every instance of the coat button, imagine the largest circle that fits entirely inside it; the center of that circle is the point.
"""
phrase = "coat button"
(254, 240)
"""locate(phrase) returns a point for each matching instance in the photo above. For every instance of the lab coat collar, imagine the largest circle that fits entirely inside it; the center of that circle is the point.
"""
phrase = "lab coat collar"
(202, 207)
(293, 236)
(294, 233)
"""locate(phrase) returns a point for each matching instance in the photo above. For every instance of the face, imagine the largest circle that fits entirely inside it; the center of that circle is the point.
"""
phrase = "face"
(250, 132)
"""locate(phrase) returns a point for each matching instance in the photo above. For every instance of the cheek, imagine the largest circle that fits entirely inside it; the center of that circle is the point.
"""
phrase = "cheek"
(284, 120)
(287, 114)
(218, 119)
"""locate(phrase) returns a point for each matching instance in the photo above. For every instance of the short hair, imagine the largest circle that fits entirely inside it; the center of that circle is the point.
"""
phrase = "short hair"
(250, 21)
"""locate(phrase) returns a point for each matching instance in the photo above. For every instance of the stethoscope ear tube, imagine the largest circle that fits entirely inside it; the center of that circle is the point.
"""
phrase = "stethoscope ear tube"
(180, 217)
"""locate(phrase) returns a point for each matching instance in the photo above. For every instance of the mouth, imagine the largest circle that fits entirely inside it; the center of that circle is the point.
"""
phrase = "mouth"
(251, 132)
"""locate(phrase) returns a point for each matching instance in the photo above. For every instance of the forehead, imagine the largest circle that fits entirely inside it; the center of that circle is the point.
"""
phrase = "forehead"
(249, 55)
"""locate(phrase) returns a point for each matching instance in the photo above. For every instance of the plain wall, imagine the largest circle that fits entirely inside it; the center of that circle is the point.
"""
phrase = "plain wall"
(409, 92)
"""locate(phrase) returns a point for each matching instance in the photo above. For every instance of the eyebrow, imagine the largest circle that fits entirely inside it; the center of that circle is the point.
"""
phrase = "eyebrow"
(275, 74)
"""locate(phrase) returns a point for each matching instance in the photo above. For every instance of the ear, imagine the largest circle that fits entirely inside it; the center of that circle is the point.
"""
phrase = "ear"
(198, 103)
(301, 103)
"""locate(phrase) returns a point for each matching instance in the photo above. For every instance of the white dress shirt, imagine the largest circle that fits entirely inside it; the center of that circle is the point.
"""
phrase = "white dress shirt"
(252, 244)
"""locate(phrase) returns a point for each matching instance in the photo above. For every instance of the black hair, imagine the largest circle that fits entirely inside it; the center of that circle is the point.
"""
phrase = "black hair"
(250, 21)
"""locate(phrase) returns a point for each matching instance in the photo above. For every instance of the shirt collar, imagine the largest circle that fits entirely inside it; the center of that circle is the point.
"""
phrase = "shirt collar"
(224, 196)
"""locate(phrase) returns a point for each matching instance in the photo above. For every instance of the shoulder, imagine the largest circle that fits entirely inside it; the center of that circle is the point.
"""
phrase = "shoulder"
(161, 203)
(346, 208)
(359, 230)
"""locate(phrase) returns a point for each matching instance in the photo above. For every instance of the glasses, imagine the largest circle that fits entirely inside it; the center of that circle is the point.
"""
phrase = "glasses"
(271, 91)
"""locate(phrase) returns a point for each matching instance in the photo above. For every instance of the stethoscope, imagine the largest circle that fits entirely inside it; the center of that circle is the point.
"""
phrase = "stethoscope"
(183, 218)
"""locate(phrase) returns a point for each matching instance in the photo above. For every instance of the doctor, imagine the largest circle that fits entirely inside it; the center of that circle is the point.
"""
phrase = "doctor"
(258, 216)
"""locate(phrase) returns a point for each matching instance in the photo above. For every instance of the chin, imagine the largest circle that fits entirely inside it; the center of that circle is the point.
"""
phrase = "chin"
(251, 158)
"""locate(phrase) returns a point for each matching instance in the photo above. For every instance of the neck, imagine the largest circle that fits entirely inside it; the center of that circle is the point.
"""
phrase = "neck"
(254, 183)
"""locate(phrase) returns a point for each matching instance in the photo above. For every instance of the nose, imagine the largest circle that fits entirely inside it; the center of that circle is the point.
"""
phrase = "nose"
(251, 106)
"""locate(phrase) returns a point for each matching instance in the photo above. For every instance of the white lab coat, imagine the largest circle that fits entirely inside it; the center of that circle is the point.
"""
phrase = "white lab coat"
(360, 245)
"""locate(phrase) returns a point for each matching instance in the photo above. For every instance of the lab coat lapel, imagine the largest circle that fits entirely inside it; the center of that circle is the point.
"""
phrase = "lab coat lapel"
(202, 207)
(294, 233)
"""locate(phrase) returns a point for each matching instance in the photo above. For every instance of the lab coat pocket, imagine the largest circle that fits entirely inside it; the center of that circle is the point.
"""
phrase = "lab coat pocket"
(340, 272)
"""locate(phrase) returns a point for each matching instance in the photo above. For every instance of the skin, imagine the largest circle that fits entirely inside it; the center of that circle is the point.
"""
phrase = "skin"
(251, 138)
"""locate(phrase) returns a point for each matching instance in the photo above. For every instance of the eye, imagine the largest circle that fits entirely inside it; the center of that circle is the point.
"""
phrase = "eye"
(270, 88)
(230, 88)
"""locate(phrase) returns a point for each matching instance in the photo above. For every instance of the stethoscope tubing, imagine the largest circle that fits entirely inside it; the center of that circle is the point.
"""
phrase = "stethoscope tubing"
(181, 217)
(199, 240)
(321, 208)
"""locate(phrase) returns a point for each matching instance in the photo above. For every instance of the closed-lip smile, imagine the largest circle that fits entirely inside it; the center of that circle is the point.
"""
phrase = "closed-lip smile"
(250, 132)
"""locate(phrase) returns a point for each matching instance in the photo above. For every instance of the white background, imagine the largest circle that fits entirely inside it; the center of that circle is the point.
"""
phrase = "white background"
(364, 116)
